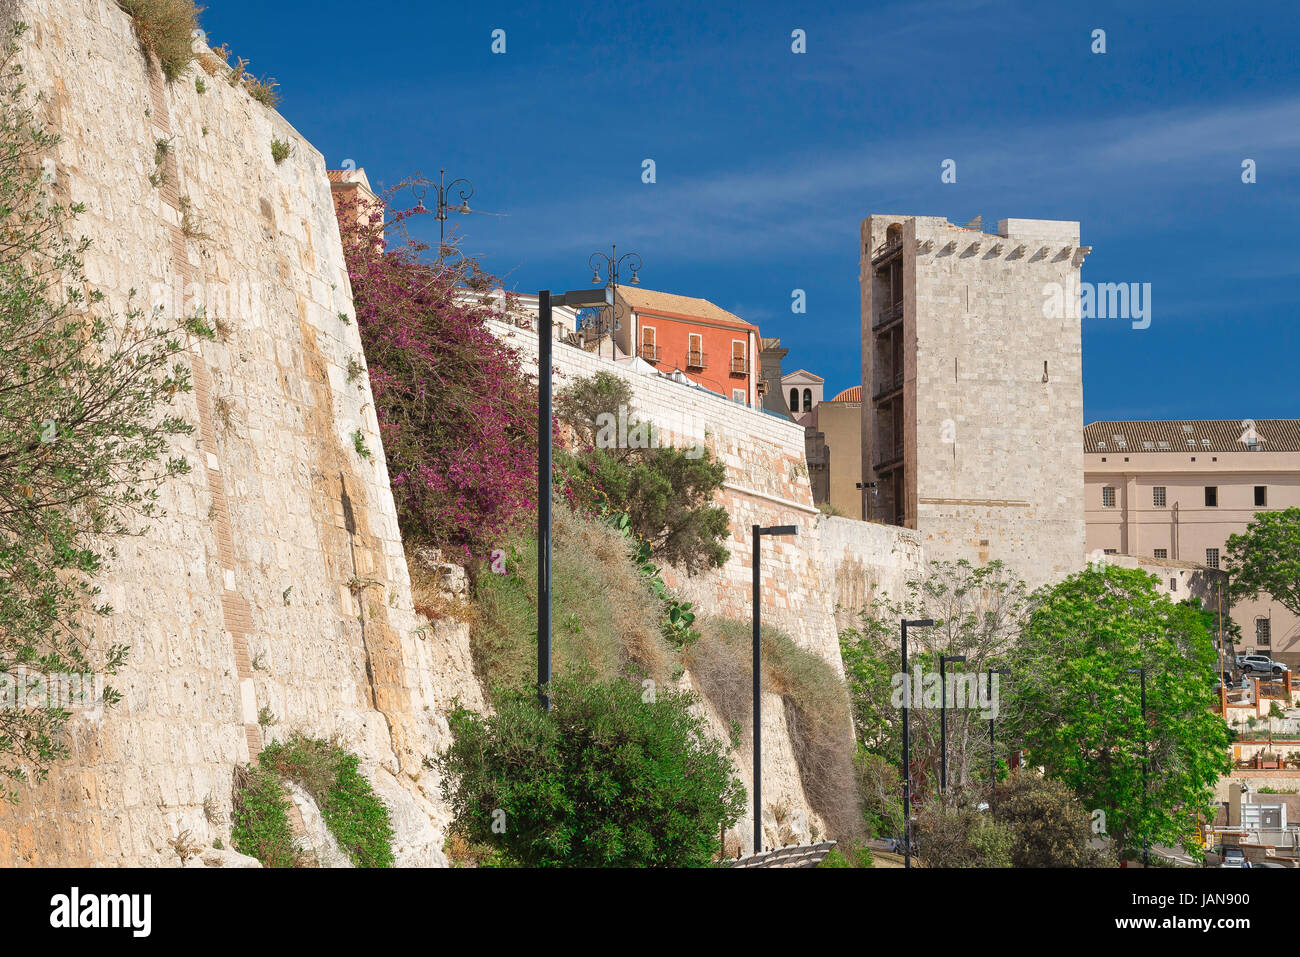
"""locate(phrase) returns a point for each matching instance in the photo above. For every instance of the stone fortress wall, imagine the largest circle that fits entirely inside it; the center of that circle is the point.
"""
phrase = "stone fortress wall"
(275, 584)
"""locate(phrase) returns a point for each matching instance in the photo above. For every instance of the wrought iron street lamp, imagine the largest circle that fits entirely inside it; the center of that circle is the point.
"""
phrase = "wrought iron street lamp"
(463, 188)
(545, 372)
(758, 532)
(907, 743)
(611, 263)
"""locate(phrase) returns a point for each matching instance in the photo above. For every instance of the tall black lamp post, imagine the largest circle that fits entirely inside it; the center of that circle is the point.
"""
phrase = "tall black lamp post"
(993, 771)
(907, 744)
(464, 189)
(612, 262)
(545, 303)
(758, 532)
(943, 720)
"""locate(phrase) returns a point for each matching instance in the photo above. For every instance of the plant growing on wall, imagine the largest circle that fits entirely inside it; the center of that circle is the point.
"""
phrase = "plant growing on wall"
(667, 494)
(84, 432)
(165, 28)
(457, 415)
(280, 150)
(350, 808)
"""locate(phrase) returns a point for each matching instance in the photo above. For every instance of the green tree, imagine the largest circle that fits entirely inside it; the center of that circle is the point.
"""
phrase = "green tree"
(1052, 828)
(881, 787)
(84, 431)
(978, 612)
(586, 400)
(608, 777)
(616, 466)
(1078, 706)
(1266, 558)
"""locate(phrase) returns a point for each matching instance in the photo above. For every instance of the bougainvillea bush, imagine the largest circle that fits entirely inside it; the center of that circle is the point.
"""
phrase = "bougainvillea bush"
(457, 414)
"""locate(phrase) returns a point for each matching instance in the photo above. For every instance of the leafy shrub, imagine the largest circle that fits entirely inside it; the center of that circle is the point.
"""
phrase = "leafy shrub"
(881, 785)
(603, 779)
(84, 430)
(667, 494)
(260, 818)
(1052, 827)
(461, 853)
(958, 835)
(351, 810)
(457, 415)
(848, 855)
(165, 28)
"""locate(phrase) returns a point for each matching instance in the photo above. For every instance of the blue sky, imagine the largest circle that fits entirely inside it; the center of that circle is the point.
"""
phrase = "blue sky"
(767, 160)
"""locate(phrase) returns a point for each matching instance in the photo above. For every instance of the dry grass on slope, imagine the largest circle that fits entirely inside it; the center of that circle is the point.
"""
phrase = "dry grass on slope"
(604, 615)
(816, 711)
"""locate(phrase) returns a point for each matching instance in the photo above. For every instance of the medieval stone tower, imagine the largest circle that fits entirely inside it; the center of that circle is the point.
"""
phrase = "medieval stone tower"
(974, 402)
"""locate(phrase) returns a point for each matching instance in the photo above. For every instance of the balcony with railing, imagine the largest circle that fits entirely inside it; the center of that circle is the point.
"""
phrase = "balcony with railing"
(739, 365)
(696, 359)
(650, 353)
(888, 316)
(887, 454)
(885, 250)
(887, 385)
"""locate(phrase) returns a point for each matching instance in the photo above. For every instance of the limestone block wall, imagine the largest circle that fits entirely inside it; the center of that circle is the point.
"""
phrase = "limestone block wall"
(273, 594)
(993, 391)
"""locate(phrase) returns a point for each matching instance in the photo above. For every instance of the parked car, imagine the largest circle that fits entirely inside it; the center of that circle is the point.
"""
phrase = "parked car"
(1261, 664)
(1229, 856)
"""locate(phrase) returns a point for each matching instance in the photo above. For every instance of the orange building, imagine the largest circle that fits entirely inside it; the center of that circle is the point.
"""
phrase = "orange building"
(709, 345)
(352, 195)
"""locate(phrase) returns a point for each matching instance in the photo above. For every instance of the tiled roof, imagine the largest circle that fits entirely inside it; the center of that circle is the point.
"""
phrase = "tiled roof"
(1184, 435)
(648, 300)
(349, 177)
(849, 395)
